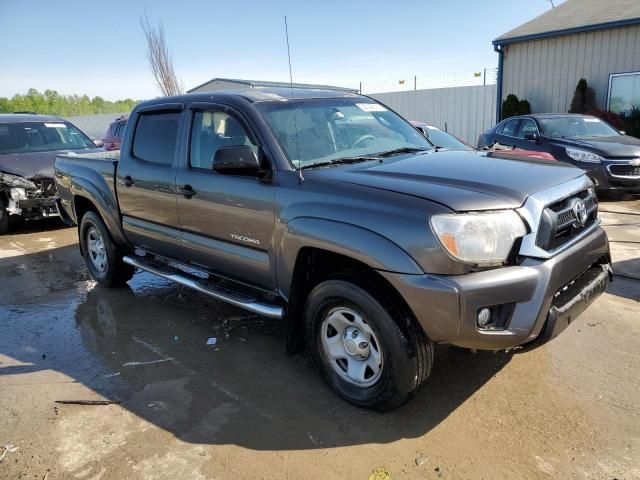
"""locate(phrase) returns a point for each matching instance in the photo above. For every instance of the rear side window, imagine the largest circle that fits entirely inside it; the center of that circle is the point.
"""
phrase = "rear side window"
(155, 137)
(509, 128)
(120, 130)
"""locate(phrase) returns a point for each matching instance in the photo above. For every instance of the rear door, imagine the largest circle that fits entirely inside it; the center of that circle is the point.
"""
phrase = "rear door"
(228, 221)
(146, 177)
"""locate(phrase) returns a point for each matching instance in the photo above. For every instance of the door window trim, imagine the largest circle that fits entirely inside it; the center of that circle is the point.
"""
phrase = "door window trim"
(522, 121)
(215, 107)
(519, 120)
(152, 109)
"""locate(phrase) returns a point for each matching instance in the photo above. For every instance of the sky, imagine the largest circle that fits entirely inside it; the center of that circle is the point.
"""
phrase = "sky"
(98, 48)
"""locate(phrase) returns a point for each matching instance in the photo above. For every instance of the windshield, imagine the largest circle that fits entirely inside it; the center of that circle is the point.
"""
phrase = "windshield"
(443, 139)
(26, 137)
(323, 130)
(576, 127)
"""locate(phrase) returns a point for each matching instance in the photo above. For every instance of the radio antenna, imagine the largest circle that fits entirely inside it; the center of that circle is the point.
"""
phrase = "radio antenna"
(295, 122)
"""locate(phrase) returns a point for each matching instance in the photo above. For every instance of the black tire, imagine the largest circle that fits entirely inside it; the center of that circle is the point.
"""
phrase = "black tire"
(116, 273)
(407, 352)
(4, 220)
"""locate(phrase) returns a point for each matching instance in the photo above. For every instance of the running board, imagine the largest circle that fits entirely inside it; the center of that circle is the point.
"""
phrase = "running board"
(238, 300)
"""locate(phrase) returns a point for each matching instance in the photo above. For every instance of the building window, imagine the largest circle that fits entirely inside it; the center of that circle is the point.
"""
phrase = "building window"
(624, 92)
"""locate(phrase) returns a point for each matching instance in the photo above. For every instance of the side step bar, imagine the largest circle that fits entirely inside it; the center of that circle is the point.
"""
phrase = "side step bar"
(250, 304)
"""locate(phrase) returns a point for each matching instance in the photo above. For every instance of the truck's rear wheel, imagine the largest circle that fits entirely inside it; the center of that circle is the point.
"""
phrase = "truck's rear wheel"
(102, 256)
(365, 354)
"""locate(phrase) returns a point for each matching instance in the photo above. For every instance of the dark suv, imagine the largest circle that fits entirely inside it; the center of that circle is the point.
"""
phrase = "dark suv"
(29, 144)
(610, 158)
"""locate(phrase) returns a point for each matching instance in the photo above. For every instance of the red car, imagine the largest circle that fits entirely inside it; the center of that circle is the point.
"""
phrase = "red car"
(113, 138)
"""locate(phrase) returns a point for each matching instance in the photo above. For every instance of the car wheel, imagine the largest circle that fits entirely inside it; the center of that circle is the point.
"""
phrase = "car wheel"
(4, 220)
(102, 256)
(370, 356)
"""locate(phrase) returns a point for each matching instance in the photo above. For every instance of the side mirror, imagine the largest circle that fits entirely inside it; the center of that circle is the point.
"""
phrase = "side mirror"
(98, 142)
(532, 137)
(237, 160)
(622, 132)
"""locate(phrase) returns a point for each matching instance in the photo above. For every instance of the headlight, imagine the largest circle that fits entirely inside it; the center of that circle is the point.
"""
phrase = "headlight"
(16, 181)
(583, 156)
(483, 239)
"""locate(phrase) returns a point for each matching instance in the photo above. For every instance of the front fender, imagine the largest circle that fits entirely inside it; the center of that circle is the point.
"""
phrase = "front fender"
(352, 241)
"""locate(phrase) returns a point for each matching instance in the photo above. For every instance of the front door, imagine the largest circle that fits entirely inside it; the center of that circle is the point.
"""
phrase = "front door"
(146, 183)
(227, 220)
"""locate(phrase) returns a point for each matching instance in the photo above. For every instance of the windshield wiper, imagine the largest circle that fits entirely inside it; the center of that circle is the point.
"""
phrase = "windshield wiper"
(398, 151)
(339, 161)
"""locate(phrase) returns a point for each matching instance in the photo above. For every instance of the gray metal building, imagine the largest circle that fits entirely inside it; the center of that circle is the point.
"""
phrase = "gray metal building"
(233, 83)
(598, 40)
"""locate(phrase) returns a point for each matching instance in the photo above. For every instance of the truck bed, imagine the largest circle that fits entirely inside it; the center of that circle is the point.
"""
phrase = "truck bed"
(75, 172)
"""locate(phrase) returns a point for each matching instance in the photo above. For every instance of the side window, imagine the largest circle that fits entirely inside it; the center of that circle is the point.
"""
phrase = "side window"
(527, 127)
(509, 128)
(120, 130)
(210, 131)
(155, 137)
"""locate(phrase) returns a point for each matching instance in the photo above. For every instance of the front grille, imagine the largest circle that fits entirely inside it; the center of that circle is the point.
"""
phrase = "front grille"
(560, 223)
(625, 170)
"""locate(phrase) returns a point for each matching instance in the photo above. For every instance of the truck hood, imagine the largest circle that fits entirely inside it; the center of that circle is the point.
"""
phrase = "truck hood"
(462, 181)
(612, 147)
(33, 164)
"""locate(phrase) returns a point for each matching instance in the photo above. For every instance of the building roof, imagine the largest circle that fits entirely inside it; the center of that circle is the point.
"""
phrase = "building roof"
(263, 83)
(575, 16)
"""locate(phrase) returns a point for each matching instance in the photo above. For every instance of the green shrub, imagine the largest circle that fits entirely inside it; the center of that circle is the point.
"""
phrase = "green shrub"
(512, 106)
(584, 98)
(524, 107)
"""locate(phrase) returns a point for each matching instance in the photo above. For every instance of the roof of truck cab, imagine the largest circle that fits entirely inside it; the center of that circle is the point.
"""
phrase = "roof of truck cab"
(27, 117)
(254, 95)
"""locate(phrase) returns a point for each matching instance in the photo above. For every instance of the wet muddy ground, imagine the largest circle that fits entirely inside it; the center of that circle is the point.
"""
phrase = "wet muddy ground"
(243, 409)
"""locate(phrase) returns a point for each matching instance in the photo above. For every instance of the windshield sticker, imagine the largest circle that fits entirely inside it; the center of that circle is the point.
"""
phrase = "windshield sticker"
(55, 125)
(371, 107)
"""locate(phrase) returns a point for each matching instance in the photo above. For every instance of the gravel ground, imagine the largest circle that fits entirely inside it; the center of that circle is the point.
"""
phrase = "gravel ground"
(243, 409)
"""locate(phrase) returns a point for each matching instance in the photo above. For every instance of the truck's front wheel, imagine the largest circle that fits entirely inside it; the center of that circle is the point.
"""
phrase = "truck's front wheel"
(102, 256)
(365, 354)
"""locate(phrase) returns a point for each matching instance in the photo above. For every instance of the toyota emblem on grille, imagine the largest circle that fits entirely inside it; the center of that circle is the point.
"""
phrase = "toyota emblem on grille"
(580, 212)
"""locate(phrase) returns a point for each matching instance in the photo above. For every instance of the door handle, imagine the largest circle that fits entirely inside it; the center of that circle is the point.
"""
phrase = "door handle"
(128, 181)
(187, 191)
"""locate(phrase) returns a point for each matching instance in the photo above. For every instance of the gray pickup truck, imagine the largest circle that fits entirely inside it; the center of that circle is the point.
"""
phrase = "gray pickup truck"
(331, 212)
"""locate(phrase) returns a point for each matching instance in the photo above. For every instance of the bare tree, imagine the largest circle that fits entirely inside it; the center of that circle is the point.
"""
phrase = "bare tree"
(160, 59)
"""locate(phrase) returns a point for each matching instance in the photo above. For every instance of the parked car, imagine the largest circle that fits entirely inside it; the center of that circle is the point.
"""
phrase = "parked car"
(330, 211)
(113, 136)
(440, 138)
(610, 158)
(445, 141)
(29, 144)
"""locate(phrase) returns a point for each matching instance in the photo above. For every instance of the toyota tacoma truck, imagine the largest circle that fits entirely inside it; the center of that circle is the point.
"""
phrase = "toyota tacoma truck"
(331, 212)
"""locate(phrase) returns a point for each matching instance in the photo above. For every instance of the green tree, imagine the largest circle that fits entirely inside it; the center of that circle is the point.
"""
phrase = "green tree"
(53, 103)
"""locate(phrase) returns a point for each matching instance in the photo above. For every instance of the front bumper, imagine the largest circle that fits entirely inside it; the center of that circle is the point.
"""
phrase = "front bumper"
(532, 297)
(605, 179)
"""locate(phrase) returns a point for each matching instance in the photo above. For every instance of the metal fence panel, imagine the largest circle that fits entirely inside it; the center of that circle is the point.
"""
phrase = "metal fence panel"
(463, 111)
